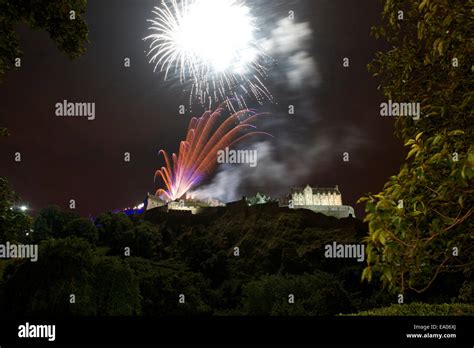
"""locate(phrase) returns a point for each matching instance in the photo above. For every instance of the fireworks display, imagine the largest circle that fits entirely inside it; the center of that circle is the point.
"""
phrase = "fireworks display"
(197, 156)
(211, 45)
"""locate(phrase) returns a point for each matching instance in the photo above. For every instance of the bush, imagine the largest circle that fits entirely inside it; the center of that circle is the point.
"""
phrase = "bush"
(421, 309)
(314, 294)
(466, 293)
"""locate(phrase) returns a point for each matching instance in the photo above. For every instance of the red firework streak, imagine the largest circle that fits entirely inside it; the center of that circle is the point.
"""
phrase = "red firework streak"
(197, 156)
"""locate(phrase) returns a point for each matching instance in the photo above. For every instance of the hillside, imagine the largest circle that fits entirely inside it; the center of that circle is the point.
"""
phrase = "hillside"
(234, 260)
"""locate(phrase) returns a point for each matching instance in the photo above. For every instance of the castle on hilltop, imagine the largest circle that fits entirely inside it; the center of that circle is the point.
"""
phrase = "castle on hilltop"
(327, 201)
(321, 200)
(312, 196)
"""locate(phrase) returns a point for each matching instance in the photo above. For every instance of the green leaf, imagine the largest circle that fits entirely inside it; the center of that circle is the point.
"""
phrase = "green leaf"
(422, 5)
(412, 152)
(437, 139)
(421, 28)
(456, 132)
(382, 238)
(447, 20)
(441, 47)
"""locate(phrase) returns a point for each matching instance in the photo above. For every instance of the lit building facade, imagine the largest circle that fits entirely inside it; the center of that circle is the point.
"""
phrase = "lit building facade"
(321, 200)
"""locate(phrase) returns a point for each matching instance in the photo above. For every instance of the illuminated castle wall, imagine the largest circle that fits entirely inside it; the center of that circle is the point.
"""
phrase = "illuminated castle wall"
(321, 200)
(189, 204)
(310, 196)
(327, 201)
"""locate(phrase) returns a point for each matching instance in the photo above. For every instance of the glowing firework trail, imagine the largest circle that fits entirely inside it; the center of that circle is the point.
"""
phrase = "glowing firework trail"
(211, 44)
(197, 156)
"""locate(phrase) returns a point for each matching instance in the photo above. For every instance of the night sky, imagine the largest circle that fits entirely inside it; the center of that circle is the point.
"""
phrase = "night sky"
(67, 158)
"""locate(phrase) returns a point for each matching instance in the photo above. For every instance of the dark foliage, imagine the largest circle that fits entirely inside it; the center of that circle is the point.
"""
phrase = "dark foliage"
(237, 260)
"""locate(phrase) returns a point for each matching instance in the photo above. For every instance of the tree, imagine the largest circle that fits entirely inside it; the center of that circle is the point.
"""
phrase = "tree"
(111, 227)
(41, 229)
(14, 224)
(314, 294)
(203, 255)
(420, 225)
(51, 222)
(62, 19)
(82, 228)
(144, 240)
(64, 267)
(162, 283)
(116, 288)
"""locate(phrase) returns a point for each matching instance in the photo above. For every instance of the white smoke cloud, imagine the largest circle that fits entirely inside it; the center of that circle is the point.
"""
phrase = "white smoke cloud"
(287, 43)
(226, 183)
(279, 167)
(224, 186)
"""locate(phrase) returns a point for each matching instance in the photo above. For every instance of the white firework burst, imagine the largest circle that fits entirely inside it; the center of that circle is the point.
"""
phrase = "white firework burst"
(210, 44)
